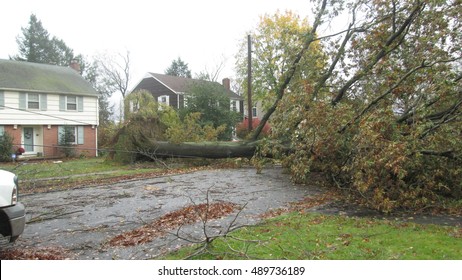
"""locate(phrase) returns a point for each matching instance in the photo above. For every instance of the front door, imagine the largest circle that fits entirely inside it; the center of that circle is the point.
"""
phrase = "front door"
(28, 134)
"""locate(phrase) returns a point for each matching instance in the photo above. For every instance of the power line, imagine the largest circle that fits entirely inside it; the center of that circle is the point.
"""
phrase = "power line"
(107, 150)
(46, 115)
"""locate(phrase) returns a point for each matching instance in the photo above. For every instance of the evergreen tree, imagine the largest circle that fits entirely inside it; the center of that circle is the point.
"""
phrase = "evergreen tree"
(35, 45)
(33, 41)
(178, 68)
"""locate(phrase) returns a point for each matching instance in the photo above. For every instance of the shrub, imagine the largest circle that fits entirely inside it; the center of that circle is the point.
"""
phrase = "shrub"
(242, 130)
(6, 147)
(66, 143)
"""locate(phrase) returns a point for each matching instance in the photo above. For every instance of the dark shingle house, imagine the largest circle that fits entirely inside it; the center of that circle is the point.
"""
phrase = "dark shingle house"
(171, 90)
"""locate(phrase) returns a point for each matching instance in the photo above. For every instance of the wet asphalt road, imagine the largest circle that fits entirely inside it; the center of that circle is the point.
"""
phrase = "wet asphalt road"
(82, 221)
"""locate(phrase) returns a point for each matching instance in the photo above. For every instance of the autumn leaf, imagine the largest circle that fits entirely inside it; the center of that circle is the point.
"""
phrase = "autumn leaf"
(184, 216)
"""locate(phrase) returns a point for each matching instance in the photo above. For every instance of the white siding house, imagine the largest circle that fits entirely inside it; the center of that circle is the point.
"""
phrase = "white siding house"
(39, 101)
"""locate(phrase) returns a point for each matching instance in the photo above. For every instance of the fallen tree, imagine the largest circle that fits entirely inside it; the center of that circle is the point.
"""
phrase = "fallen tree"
(216, 150)
(382, 119)
(212, 150)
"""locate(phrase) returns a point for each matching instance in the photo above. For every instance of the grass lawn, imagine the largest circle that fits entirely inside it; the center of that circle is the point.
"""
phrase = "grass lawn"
(311, 236)
(48, 169)
(61, 174)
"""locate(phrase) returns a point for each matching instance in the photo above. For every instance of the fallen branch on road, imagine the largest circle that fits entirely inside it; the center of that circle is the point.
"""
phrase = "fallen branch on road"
(41, 218)
(187, 215)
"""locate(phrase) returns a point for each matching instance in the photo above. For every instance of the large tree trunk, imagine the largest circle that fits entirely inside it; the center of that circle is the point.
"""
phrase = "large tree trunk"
(214, 150)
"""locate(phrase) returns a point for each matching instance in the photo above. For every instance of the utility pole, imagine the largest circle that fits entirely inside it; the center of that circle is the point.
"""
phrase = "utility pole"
(249, 83)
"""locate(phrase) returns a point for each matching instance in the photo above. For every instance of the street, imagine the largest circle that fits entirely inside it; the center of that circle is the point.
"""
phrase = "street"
(80, 223)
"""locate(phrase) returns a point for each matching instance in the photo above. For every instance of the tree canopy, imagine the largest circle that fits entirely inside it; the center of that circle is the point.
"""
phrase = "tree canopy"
(211, 102)
(178, 68)
(276, 42)
(382, 119)
(36, 45)
(150, 124)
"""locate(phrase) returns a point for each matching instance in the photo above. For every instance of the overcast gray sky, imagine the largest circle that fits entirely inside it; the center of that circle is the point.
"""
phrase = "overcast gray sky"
(201, 32)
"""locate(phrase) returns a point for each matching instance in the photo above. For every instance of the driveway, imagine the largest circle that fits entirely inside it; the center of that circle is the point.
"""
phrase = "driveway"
(81, 221)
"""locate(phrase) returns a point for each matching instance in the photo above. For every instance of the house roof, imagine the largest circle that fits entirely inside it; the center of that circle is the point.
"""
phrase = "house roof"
(36, 77)
(182, 84)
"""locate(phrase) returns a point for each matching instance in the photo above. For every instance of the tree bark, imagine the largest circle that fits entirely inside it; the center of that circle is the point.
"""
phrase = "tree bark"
(212, 150)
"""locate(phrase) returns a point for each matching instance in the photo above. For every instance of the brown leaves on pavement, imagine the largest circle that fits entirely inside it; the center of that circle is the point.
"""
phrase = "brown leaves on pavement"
(187, 215)
(43, 253)
(305, 204)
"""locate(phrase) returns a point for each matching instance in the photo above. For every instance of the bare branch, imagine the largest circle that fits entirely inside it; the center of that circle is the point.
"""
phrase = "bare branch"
(451, 115)
(213, 73)
(56, 214)
(116, 75)
(206, 239)
(152, 155)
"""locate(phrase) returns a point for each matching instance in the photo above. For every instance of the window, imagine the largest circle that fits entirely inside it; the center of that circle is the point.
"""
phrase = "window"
(3, 133)
(233, 105)
(134, 106)
(71, 103)
(185, 101)
(71, 134)
(164, 99)
(33, 101)
(2, 100)
(254, 112)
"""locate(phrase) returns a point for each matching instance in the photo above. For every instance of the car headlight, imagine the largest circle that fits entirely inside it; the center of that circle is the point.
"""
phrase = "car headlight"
(14, 195)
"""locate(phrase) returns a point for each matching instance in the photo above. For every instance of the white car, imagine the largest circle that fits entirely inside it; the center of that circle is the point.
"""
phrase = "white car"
(12, 212)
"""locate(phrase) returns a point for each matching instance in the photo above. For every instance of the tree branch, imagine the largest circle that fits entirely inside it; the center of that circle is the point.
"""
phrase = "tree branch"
(384, 51)
(339, 54)
(287, 77)
(447, 154)
(386, 93)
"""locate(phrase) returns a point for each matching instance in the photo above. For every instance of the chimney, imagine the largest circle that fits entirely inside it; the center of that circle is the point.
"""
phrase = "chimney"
(227, 83)
(75, 65)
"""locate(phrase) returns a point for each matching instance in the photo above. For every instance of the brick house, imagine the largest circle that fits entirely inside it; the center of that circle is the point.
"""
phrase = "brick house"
(39, 102)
